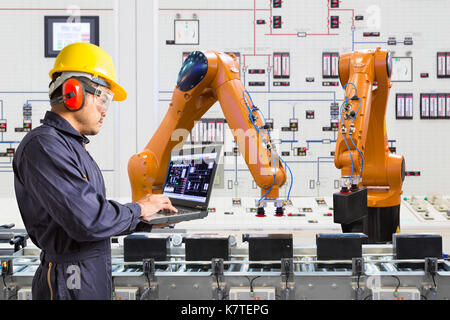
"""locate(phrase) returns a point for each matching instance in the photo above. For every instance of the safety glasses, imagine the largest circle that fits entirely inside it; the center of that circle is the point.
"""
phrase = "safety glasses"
(102, 97)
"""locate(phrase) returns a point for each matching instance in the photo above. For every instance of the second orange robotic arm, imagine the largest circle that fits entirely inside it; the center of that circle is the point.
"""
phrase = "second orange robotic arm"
(362, 144)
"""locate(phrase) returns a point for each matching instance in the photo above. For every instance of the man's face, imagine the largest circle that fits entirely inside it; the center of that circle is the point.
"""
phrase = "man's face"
(90, 117)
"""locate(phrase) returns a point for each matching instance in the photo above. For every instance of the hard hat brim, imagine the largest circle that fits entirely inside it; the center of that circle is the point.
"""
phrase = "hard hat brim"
(119, 92)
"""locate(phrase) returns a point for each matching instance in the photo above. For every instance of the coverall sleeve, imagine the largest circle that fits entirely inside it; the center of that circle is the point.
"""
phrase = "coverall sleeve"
(55, 180)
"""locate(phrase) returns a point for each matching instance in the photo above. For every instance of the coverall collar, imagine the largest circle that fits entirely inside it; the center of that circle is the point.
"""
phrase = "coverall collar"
(55, 120)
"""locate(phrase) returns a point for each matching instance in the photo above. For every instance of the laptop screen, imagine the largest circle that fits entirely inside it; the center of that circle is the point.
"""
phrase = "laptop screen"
(190, 176)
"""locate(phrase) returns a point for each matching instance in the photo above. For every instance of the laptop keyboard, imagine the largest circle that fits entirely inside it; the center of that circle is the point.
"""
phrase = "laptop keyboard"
(166, 212)
(170, 213)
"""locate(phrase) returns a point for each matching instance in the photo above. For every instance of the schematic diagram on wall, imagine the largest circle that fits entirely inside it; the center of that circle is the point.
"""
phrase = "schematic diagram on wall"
(289, 57)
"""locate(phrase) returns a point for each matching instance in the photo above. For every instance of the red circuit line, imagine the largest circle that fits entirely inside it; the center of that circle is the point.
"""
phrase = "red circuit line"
(254, 38)
(270, 19)
(308, 34)
(329, 9)
(322, 34)
(49, 9)
(254, 26)
(259, 55)
(328, 17)
(254, 9)
(353, 14)
(280, 34)
(328, 23)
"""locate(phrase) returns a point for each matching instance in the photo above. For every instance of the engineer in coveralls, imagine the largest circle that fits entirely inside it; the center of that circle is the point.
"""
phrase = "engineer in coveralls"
(60, 189)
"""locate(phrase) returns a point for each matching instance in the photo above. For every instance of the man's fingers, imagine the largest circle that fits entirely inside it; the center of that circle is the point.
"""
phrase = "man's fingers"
(169, 207)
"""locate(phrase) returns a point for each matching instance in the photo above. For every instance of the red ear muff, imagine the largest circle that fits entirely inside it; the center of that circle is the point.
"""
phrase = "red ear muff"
(73, 88)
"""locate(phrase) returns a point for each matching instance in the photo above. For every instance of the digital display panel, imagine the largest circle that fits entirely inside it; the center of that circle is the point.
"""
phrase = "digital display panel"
(61, 31)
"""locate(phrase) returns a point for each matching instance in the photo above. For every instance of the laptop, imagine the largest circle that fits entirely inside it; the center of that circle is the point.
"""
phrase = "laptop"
(188, 183)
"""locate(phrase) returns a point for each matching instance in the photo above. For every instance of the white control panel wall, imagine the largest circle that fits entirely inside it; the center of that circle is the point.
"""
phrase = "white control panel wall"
(289, 51)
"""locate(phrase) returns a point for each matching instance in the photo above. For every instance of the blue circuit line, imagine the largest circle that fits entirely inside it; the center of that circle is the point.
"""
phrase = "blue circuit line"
(10, 162)
(376, 42)
(353, 40)
(20, 92)
(318, 166)
(33, 100)
(10, 159)
(293, 132)
(294, 100)
(369, 42)
(316, 141)
(292, 176)
(310, 161)
(317, 162)
(235, 174)
(291, 92)
(287, 161)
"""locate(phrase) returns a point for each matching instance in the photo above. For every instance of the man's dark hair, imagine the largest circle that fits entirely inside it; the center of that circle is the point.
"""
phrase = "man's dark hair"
(58, 91)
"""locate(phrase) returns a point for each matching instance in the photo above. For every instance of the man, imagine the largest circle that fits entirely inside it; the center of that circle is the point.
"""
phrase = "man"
(60, 189)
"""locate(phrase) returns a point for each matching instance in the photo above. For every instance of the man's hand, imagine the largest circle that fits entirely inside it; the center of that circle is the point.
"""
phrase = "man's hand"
(152, 203)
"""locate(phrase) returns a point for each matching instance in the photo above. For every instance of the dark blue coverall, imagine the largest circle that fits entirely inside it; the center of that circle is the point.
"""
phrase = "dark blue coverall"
(61, 196)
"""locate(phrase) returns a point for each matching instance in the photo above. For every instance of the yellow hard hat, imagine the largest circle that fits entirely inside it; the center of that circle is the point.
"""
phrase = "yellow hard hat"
(89, 58)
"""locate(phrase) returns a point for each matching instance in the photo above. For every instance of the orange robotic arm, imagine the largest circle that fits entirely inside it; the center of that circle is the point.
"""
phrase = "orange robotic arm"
(362, 146)
(207, 77)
